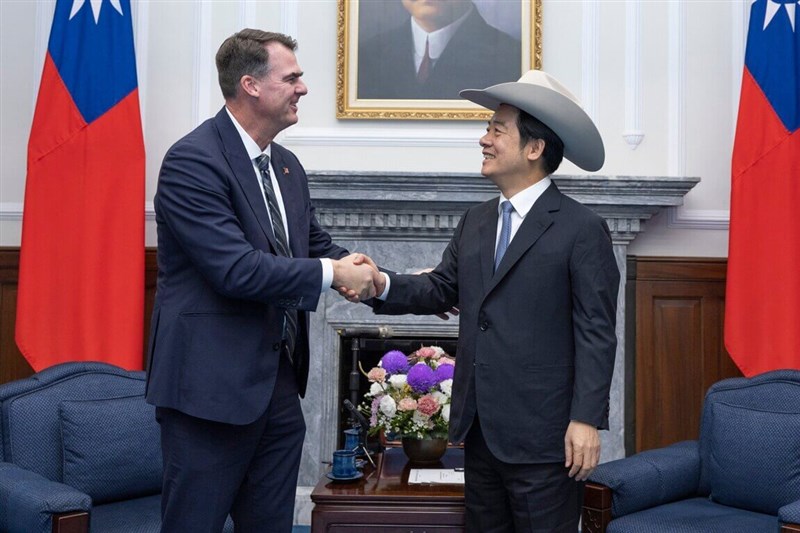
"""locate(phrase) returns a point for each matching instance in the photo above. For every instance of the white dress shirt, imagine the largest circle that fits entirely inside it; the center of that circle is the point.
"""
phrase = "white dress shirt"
(253, 152)
(437, 40)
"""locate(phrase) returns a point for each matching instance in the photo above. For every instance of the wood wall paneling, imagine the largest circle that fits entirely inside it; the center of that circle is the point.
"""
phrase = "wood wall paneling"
(679, 345)
(677, 348)
(12, 364)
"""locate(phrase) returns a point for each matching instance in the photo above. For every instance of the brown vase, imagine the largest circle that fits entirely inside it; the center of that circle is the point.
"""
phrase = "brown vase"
(424, 451)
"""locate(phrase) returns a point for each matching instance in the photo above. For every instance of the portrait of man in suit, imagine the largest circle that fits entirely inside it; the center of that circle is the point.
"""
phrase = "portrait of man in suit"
(432, 49)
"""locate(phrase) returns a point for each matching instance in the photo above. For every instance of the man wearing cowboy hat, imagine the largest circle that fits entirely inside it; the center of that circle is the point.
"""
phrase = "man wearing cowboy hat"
(534, 275)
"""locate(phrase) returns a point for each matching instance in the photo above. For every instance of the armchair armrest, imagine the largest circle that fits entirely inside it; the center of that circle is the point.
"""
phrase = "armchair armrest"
(651, 478)
(789, 517)
(30, 502)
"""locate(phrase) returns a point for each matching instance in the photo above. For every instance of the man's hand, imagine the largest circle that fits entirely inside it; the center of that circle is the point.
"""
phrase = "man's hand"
(357, 278)
(582, 448)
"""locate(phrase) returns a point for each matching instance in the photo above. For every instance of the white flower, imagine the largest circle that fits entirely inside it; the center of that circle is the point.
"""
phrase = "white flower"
(440, 397)
(446, 413)
(439, 351)
(388, 406)
(447, 387)
(375, 389)
(421, 419)
(398, 380)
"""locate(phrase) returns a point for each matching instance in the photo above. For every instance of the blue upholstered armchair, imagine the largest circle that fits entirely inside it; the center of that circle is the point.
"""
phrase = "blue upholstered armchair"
(743, 475)
(79, 446)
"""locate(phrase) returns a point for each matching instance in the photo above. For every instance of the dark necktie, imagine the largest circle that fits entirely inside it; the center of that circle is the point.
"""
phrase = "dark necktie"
(505, 233)
(424, 67)
(282, 245)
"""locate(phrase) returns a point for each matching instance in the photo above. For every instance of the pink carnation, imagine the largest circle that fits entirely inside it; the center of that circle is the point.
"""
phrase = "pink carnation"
(427, 405)
(377, 375)
(407, 404)
(426, 353)
(447, 361)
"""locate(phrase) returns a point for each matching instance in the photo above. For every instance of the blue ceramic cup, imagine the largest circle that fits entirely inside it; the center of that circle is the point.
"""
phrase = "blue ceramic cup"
(344, 463)
(352, 438)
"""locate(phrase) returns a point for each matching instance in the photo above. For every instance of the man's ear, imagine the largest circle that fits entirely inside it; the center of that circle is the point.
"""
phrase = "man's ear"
(249, 85)
(534, 149)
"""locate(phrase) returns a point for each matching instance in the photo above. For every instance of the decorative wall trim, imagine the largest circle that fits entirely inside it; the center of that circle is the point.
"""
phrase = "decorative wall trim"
(247, 14)
(740, 15)
(290, 17)
(676, 108)
(633, 133)
(44, 19)
(383, 137)
(141, 32)
(706, 219)
(203, 61)
(590, 54)
(412, 206)
(11, 211)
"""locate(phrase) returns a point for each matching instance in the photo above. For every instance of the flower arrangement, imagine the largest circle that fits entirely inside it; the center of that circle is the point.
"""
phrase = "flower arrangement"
(410, 395)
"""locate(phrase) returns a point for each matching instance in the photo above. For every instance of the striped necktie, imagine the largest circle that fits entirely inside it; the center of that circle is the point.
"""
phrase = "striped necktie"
(282, 246)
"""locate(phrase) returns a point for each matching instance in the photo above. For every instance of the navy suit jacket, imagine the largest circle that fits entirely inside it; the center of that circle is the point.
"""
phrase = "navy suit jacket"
(222, 291)
(477, 56)
(537, 338)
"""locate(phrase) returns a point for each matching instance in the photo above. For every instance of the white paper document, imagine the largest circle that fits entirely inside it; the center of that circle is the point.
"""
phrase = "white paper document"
(438, 476)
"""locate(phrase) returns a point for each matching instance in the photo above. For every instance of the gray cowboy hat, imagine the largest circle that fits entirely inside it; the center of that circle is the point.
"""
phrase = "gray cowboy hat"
(542, 96)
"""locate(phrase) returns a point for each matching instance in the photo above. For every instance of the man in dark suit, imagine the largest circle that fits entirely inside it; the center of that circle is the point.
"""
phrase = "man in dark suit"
(534, 276)
(443, 47)
(241, 262)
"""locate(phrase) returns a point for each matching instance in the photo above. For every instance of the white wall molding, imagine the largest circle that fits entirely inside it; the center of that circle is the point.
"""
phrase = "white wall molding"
(704, 219)
(44, 19)
(384, 137)
(203, 62)
(11, 211)
(247, 14)
(676, 107)
(290, 17)
(633, 133)
(590, 54)
(141, 32)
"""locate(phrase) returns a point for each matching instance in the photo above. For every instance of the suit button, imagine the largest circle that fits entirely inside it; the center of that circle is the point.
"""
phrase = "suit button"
(484, 326)
(276, 346)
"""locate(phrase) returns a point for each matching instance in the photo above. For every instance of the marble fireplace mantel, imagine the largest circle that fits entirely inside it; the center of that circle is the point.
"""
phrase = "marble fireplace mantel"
(403, 221)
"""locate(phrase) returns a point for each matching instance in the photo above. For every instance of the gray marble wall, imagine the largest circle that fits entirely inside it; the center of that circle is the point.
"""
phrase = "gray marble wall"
(404, 222)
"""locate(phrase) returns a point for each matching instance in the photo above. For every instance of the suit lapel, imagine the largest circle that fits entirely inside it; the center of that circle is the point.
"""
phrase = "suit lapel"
(488, 236)
(537, 221)
(242, 167)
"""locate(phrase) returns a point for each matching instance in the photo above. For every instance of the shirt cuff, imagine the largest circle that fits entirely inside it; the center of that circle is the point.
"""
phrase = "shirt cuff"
(382, 296)
(327, 274)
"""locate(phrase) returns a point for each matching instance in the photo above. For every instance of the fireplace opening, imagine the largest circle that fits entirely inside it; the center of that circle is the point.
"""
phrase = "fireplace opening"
(368, 349)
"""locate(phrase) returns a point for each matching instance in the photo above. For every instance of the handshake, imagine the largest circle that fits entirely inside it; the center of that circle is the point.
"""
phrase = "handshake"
(356, 277)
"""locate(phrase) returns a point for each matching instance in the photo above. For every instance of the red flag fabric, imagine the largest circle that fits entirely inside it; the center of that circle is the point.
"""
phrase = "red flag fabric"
(81, 280)
(762, 312)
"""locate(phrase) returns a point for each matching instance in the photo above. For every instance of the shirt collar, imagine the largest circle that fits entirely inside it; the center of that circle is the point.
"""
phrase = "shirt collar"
(253, 151)
(437, 40)
(523, 201)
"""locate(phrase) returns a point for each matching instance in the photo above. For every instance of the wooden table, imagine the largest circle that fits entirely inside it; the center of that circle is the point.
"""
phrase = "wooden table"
(383, 501)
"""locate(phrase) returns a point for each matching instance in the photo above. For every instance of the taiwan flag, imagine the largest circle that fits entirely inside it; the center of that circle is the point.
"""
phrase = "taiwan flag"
(762, 312)
(81, 279)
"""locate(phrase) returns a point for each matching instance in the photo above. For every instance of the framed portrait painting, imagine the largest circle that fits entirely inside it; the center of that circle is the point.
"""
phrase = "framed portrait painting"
(408, 59)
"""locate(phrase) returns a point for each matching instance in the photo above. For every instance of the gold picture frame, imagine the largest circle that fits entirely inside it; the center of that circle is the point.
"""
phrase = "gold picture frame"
(406, 101)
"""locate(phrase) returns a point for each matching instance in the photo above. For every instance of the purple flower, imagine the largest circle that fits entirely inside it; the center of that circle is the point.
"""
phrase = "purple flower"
(394, 362)
(443, 372)
(421, 378)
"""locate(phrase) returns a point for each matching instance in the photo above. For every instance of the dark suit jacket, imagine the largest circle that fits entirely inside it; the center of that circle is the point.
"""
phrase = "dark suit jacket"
(217, 321)
(477, 56)
(537, 339)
